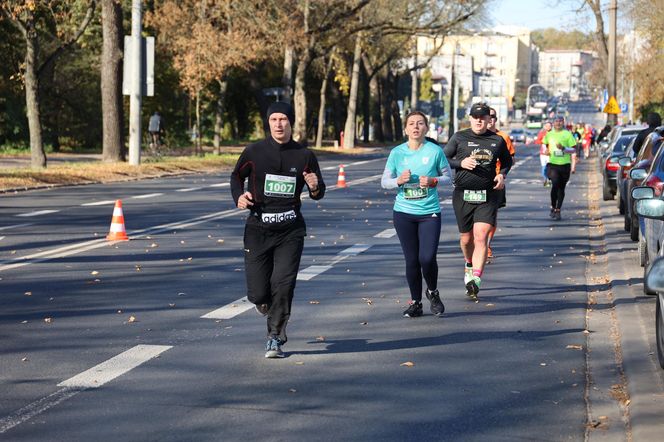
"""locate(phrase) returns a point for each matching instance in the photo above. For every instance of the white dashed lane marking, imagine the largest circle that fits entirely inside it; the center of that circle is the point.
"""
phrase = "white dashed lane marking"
(114, 367)
(220, 185)
(189, 189)
(148, 195)
(37, 213)
(387, 233)
(92, 378)
(99, 203)
(230, 310)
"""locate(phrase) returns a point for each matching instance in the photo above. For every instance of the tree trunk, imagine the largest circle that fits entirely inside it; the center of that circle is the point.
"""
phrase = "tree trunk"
(287, 78)
(602, 45)
(393, 83)
(300, 129)
(37, 154)
(385, 119)
(321, 109)
(349, 128)
(374, 100)
(199, 131)
(111, 81)
(367, 134)
(218, 119)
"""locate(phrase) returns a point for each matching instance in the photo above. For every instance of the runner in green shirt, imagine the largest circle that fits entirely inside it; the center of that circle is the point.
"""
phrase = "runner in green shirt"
(560, 145)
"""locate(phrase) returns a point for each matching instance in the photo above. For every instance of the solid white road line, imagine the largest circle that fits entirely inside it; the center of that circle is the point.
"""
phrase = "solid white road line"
(189, 189)
(99, 203)
(35, 408)
(37, 213)
(92, 378)
(387, 233)
(16, 226)
(220, 185)
(230, 310)
(149, 195)
(114, 367)
(311, 272)
(1, 238)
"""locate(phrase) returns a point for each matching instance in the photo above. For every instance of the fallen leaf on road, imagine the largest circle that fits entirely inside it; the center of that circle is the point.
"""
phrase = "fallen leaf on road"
(94, 272)
(292, 390)
(543, 364)
(24, 322)
(48, 320)
(220, 241)
(28, 293)
(314, 302)
(575, 347)
(154, 244)
(367, 300)
(407, 364)
(131, 319)
(171, 305)
(320, 338)
(364, 323)
(24, 359)
(182, 242)
(299, 363)
(491, 305)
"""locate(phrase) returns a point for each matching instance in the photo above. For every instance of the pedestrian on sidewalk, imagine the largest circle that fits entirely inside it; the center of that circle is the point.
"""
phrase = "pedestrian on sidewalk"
(416, 168)
(267, 181)
(156, 130)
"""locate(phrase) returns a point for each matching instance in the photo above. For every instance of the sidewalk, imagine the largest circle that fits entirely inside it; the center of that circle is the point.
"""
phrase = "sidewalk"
(23, 161)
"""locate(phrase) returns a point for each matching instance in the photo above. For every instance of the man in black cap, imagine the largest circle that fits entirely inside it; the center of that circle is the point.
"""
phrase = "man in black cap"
(276, 170)
(473, 154)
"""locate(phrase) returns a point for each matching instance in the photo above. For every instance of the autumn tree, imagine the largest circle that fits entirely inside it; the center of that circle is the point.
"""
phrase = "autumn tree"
(49, 28)
(206, 38)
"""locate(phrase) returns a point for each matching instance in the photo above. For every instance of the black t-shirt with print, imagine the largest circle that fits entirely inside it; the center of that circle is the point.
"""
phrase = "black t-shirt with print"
(487, 149)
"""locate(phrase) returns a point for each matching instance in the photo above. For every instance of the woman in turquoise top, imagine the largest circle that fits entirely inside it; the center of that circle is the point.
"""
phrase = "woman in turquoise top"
(417, 168)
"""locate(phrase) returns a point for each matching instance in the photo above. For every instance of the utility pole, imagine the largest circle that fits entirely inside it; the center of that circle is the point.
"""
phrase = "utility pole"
(135, 97)
(612, 119)
(454, 94)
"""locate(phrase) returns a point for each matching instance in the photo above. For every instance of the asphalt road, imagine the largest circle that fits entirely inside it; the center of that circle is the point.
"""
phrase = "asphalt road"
(150, 339)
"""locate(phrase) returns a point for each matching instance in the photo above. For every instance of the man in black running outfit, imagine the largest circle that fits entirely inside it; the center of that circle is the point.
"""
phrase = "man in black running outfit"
(473, 154)
(276, 170)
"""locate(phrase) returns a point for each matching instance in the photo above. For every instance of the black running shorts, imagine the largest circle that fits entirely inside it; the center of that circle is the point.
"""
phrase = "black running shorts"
(468, 214)
(502, 201)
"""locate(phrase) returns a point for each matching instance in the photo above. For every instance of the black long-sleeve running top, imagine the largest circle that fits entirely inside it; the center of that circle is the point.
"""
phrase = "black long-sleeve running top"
(487, 149)
(274, 175)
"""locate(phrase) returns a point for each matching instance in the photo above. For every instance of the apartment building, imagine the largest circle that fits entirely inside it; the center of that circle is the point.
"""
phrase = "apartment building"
(503, 60)
(566, 71)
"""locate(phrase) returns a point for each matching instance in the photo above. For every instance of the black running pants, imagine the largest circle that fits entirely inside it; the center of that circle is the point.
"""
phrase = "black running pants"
(559, 176)
(272, 260)
(419, 236)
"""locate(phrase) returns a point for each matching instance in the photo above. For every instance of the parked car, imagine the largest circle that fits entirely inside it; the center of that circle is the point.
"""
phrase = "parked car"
(648, 150)
(518, 135)
(652, 230)
(610, 165)
(616, 132)
(531, 136)
(625, 164)
(654, 277)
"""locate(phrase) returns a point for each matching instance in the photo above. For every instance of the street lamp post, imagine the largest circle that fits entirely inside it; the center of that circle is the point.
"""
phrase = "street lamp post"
(528, 96)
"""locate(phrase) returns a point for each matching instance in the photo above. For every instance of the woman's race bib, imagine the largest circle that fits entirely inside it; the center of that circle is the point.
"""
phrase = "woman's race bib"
(413, 191)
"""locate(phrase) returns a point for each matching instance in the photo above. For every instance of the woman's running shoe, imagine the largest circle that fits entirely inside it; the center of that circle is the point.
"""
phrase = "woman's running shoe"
(437, 306)
(414, 310)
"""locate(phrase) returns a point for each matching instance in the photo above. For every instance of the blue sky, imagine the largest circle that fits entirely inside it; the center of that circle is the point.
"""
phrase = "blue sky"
(537, 14)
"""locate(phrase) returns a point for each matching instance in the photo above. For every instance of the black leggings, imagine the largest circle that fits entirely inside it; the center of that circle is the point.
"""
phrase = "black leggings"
(419, 236)
(559, 176)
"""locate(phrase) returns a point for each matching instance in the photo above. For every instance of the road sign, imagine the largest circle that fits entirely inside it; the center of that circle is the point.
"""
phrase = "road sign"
(612, 106)
(147, 68)
(624, 108)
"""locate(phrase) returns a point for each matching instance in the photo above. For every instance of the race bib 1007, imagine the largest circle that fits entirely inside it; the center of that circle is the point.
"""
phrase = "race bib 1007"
(279, 186)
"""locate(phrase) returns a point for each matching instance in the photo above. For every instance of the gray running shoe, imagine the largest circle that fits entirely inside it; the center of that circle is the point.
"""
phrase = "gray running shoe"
(556, 215)
(262, 309)
(273, 348)
(437, 307)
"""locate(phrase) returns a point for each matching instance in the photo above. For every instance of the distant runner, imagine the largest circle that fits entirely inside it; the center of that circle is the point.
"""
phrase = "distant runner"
(417, 168)
(544, 155)
(473, 153)
(561, 145)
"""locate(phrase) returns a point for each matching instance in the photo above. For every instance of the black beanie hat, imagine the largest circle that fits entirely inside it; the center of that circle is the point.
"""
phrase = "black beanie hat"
(281, 107)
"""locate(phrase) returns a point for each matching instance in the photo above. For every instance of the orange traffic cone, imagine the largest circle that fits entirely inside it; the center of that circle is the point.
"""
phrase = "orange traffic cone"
(341, 180)
(117, 232)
